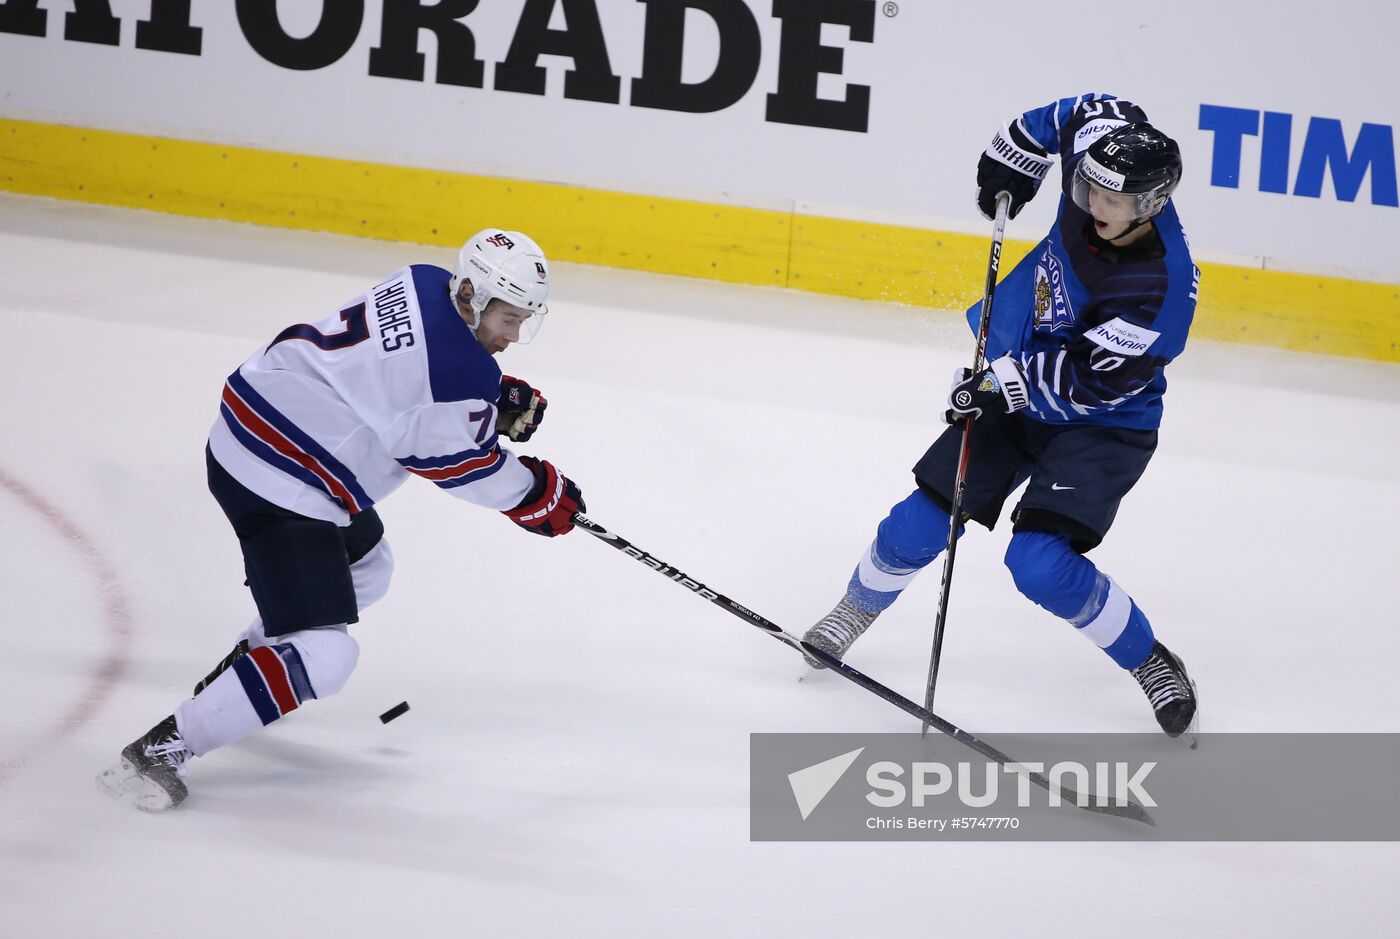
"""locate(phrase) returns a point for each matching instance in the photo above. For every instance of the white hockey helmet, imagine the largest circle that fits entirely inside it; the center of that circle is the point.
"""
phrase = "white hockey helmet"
(507, 266)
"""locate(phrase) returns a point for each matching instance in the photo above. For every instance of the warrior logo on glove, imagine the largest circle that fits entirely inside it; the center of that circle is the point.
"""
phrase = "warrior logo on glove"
(1000, 388)
(1015, 164)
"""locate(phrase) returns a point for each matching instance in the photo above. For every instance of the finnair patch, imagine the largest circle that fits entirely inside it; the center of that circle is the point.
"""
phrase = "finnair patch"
(1101, 174)
(1094, 130)
(1119, 335)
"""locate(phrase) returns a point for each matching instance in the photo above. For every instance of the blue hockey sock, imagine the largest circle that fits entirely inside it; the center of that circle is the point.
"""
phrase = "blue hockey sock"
(1048, 571)
(913, 534)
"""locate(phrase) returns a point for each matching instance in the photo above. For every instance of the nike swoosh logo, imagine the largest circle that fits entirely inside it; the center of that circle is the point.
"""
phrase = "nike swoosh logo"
(1057, 487)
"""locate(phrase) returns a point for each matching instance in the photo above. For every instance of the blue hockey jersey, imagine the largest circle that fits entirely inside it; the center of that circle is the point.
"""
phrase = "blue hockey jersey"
(1093, 327)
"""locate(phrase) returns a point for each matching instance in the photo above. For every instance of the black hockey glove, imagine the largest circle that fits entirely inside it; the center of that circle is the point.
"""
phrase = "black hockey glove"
(520, 409)
(548, 508)
(1000, 388)
(1013, 163)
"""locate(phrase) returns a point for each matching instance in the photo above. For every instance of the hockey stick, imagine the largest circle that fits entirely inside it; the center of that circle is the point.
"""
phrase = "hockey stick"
(1127, 809)
(960, 482)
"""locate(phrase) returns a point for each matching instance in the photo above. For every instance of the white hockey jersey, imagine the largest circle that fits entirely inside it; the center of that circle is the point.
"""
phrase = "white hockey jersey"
(331, 417)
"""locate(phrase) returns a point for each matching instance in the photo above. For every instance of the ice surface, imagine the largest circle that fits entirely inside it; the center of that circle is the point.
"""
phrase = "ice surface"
(575, 760)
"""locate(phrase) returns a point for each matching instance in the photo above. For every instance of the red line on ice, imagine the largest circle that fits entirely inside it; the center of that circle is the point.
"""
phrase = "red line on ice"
(116, 611)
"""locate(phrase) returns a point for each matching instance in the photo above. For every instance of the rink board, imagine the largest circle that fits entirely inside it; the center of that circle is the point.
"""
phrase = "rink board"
(736, 244)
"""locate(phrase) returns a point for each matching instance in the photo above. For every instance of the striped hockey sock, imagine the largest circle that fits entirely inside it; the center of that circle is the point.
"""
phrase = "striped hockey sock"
(262, 686)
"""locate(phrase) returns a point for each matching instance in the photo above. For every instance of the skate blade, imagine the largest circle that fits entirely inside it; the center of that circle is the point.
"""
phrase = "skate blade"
(1191, 736)
(123, 783)
(814, 675)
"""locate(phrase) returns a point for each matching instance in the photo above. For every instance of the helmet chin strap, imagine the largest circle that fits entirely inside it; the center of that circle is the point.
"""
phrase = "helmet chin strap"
(475, 321)
(1137, 223)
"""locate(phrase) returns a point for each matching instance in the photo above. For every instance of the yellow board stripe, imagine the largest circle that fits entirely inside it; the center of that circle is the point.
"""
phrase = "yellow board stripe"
(866, 260)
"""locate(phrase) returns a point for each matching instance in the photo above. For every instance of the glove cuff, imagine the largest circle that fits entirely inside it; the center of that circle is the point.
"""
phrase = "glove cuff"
(530, 504)
(1004, 149)
(1013, 383)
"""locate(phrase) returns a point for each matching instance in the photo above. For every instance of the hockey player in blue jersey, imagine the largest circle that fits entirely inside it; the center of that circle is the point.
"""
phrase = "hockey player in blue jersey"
(1080, 334)
(316, 428)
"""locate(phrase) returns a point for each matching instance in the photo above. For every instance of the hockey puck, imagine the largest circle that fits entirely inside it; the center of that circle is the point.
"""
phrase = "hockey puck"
(397, 710)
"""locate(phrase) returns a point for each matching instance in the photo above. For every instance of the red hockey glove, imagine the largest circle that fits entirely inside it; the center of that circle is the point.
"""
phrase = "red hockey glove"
(520, 409)
(1000, 388)
(549, 507)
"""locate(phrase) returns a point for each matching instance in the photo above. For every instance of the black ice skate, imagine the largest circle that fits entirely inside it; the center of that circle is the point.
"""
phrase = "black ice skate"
(238, 652)
(1170, 690)
(838, 630)
(148, 775)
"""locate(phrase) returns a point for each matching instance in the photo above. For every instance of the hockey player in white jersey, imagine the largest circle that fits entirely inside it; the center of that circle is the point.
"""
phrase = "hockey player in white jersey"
(315, 429)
